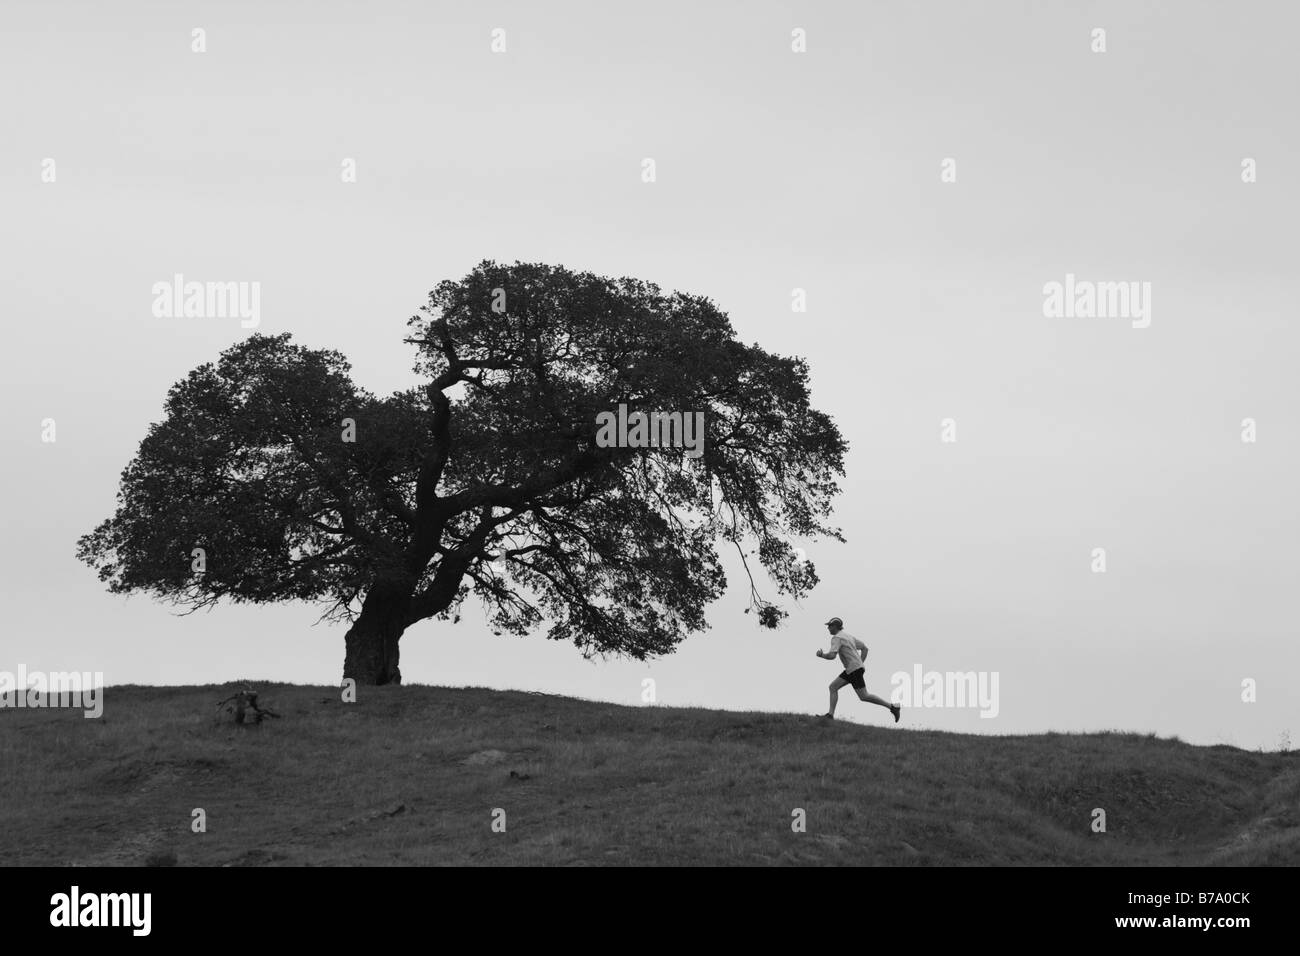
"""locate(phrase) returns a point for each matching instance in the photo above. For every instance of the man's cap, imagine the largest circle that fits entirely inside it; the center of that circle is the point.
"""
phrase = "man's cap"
(835, 620)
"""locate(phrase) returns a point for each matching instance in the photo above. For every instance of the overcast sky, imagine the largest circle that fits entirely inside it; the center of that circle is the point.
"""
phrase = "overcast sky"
(775, 170)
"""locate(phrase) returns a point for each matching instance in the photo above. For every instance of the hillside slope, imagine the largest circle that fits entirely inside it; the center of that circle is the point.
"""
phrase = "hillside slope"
(412, 775)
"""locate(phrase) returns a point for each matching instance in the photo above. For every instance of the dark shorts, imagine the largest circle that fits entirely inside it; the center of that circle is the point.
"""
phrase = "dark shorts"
(857, 678)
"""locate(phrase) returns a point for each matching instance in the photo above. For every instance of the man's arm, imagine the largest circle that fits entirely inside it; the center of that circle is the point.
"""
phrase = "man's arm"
(862, 648)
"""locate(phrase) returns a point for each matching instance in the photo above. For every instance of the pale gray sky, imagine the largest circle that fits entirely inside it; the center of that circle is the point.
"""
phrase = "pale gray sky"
(775, 170)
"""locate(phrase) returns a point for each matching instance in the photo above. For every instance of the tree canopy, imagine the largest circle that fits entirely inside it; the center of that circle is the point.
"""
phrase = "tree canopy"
(487, 479)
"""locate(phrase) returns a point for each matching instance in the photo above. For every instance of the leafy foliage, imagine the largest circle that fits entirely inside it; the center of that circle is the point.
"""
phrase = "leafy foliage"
(487, 480)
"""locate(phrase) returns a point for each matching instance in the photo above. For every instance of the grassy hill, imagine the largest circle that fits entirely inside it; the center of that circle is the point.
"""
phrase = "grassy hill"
(411, 775)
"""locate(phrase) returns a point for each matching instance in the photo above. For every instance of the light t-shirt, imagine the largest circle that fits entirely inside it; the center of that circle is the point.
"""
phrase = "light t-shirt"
(850, 650)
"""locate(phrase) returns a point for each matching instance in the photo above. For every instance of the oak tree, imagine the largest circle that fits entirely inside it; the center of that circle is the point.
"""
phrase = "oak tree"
(490, 479)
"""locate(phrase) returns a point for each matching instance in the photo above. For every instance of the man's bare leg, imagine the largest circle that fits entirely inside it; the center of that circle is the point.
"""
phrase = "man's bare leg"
(835, 694)
(873, 699)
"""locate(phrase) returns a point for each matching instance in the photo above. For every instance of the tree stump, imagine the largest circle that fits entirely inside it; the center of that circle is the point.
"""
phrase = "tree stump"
(244, 707)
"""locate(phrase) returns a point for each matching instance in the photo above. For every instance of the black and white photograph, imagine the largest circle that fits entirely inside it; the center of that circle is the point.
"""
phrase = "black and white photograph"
(687, 435)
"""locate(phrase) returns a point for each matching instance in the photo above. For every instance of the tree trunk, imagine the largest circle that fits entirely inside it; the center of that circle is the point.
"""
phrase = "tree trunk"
(372, 640)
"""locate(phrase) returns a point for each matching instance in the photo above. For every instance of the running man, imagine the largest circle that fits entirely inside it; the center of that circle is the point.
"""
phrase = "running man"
(851, 652)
